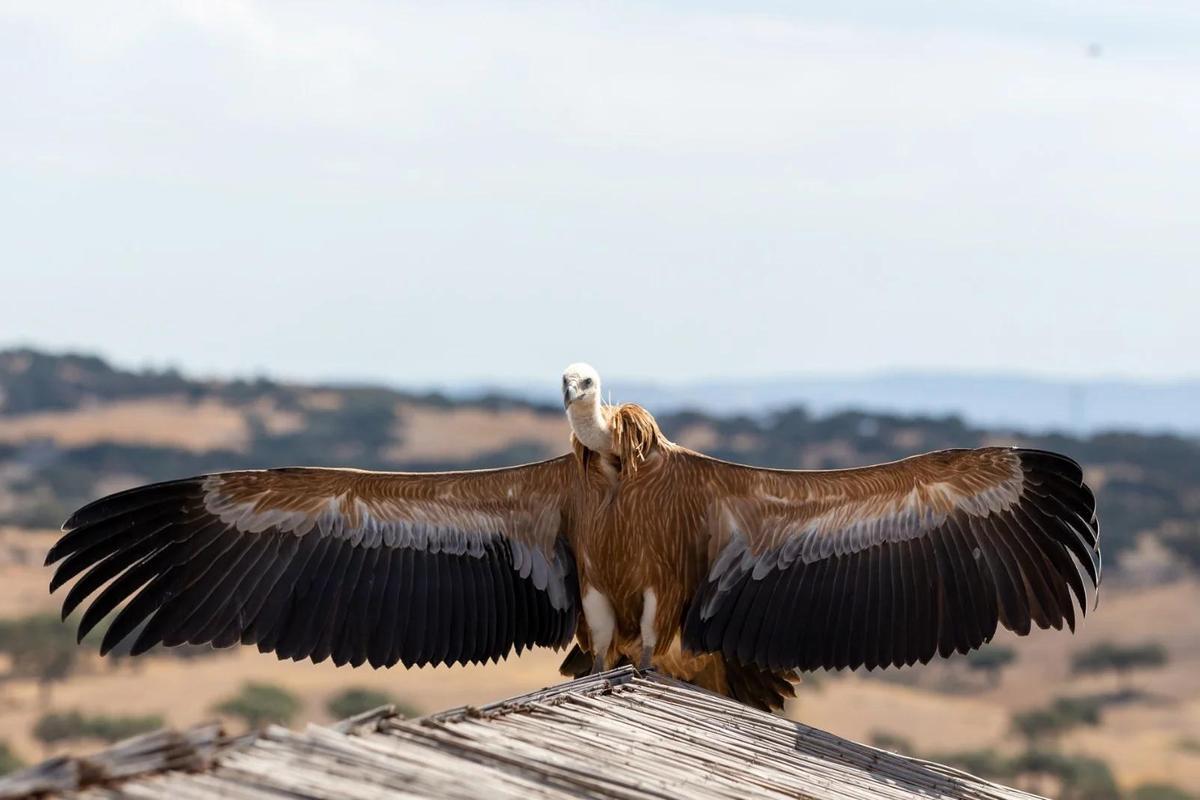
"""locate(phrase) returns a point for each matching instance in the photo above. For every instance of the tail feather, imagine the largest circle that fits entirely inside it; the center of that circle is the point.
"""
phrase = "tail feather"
(577, 664)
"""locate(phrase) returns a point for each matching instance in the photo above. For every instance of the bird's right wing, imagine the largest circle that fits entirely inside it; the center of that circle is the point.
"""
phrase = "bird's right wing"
(331, 563)
(893, 563)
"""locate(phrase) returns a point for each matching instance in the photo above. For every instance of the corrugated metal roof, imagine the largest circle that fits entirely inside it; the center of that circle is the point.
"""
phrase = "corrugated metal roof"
(622, 734)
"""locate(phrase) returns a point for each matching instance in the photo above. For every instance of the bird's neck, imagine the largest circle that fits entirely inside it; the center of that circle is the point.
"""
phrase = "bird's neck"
(590, 425)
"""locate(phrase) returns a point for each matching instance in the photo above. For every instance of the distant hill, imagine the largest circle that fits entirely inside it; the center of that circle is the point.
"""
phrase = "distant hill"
(75, 427)
(35, 381)
(993, 401)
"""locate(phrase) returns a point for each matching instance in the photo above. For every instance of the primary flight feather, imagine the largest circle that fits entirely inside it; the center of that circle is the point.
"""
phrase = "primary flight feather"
(726, 575)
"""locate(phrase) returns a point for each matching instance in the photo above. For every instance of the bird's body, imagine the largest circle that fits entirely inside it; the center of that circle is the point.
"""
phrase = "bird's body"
(730, 576)
(639, 502)
(634, 523)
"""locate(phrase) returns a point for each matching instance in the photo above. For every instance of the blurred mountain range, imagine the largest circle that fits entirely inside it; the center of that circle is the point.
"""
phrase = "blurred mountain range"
(74, 427)
(989, 400)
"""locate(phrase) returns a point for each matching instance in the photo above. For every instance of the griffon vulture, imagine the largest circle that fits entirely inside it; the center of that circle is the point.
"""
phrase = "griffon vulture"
(727, 575)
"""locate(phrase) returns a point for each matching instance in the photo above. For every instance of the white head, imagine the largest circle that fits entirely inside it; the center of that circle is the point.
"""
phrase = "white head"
(580, 382)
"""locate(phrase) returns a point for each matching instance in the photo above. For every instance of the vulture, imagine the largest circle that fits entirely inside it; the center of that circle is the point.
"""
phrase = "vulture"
(639, 550)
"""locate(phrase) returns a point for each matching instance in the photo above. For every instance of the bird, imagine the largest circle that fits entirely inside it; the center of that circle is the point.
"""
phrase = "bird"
(634, 548)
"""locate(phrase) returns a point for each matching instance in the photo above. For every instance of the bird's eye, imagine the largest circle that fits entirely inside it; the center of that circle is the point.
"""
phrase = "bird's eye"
(587, 382)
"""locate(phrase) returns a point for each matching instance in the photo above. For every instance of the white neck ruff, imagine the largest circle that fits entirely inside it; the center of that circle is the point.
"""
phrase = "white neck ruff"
(589, 425)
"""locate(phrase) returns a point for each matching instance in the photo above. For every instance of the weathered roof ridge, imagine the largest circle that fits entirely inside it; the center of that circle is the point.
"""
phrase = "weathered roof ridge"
(620, 734)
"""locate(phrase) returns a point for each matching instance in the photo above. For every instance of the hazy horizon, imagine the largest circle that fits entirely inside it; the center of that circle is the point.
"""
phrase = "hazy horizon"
(550, 376)
(990, 400)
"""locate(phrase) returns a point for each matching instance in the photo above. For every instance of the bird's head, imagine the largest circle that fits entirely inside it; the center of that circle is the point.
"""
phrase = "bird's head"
(579, 382)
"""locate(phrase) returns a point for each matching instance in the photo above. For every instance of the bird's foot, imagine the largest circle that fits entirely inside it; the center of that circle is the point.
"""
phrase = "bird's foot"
(597, 665)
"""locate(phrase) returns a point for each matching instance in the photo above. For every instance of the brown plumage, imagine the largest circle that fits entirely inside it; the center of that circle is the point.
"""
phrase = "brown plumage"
(727, 575)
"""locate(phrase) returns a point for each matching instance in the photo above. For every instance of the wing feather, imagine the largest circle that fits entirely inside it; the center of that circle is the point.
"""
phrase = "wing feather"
(772, 649)
(880, 647)
(317, 563)
(893, 564)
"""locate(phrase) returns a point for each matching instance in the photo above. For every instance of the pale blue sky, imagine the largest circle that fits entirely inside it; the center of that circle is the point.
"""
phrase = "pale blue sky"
(442, 192)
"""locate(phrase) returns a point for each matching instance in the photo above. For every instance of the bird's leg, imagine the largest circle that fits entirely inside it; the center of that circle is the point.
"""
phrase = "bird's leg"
(649, 633)
(601, 622)
(647, 652)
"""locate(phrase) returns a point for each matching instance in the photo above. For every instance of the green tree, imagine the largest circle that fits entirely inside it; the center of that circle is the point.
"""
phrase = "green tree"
(991, 661)
(259, 704)
(41, 647)
(356, 700)
(1119, 659)
(1041, 724)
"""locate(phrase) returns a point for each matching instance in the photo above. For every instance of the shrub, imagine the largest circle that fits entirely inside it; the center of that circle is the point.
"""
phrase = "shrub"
(991, 660)
(1081, 777)
(115, 728)
(984, 763)
(39, 647)
(60, 727)
(1089, 779)
(357, 700)
(893, 742)
(261, 703)
(68, 725)
(1188, 744)
(1159, 791)
(8, 760)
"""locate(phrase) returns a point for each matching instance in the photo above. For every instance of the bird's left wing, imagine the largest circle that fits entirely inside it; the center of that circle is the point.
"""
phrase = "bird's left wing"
(331, 563)
(890, 564)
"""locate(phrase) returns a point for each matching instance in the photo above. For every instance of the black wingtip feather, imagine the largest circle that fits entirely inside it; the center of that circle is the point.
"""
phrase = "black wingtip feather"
(131, 499)
(947, 589)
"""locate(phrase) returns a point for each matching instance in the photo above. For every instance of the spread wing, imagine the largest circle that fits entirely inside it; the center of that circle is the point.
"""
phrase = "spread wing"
(891, 564)
(331, 563)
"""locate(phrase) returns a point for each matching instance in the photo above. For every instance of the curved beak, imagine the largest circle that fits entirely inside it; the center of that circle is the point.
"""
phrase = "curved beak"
(570, 393)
